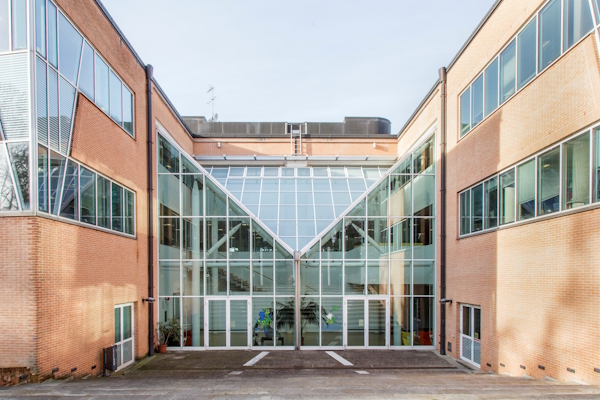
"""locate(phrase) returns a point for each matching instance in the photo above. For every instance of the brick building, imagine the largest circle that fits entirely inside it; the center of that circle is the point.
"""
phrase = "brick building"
(472, 230)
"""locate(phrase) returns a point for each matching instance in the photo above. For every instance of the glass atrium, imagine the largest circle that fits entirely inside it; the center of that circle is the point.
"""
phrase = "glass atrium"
(227, 271)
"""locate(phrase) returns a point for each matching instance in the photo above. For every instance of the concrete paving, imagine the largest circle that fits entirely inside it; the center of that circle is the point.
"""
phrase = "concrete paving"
(304, 374)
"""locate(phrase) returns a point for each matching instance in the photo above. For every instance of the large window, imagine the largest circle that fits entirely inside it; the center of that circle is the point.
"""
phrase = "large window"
(576, 172)
(527, 53)
(577, 21)
(13, 25)
(507, 72)
(549, 34)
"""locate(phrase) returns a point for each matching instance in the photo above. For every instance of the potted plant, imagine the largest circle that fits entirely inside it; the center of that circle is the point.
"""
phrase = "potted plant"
(309, 312)
(169, 331)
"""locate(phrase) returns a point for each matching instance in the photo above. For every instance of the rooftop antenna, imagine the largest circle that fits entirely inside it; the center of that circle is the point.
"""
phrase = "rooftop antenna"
(214, 117)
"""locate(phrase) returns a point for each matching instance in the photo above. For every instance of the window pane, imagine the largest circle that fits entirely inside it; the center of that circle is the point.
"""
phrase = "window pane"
(597, 164)
(40, 26)
(354, 276)
(239, 238)
(527, 53)
(491, 203)
(127, 110)
(400, 277)
(423, 320)
(284, 277)
(192, 193)
(377, 200)
(377, 277)
(507, 197)
(19, 24)
(216, 239)
(4, 26)
(491, 87)
(193, 322)
(477, 208)
(424, 195)
(310, 317)
(465, 112)
(466, 321)
(88, 196)
(423, 239)
(69, 205)
(18, 154)
(86, 76)
(57, 167)
(355, 239)
(401, 195)
(216, 201)
(507, 72)
(239, 278)
(128, 218)
(168, 195)
(549, 42)
(549, 182)
(262, 277)
(116, 97)
(193, 243)
(117, 325)
(117, 207)
(332, 321)
(377, 239)
(101, 84)
(526, 190)
(477, 323)
(169, 239)
(577, 21)
(216, 278)
(309, 277)
(103, 202)
(576, 172)
(477, 106)
(8, 195)
(168, 156)
(423, 278)
(169, 278)
(400, 333)
(423, 158)
(331, 243)
(331, 277)
(465, 212)
(43, 179)
(52, 35)
(401, 239)
(69, 49)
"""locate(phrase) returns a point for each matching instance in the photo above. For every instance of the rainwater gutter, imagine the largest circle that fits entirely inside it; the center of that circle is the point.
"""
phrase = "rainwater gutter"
(443, 211)
(149, 166)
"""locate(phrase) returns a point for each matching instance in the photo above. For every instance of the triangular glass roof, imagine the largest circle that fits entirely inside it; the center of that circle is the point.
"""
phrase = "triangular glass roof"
(297, 204)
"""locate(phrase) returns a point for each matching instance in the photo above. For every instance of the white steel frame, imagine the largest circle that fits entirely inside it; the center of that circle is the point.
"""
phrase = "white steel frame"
(470, 335)
(366, 300)
(228, 300)
(131, 339)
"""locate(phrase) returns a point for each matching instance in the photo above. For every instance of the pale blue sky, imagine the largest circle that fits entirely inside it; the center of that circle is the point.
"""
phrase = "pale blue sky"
(298, 61)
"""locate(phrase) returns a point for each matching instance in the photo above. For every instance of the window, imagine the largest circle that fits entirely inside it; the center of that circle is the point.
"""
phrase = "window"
(465, 112)
(549, 182)
(597, 164)
(40, 27)
(86, 76)
(103, 202)
(507, 197)
(43, 191)
(69, 205)
(127, 111)
(465, 212)
(124, 335)
(576, 172)
(507, 72)
(577, 21)
(470, 334)
(129, 213)
(57, 167)
(52, 35)
(4, 26)
(101, 84)
(477, 103)
(527, 53)
(116, 97)
(549, 41)
(491, 203)
(69, 49)
(19, 24)
(526, 190)
(87, 183)
(491, 87)
(117, 208)
(477, 208)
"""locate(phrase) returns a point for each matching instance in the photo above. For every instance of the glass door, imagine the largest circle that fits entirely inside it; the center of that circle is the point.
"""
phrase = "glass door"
(227, 323)
(471, 334)
(124, 334)
(366, 322)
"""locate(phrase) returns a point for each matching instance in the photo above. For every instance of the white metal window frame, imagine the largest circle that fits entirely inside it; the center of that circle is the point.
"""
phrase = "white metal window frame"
(470, 335)
(132, 338)
(366, 325)
(28, 45)
(537, 73)
(562, 211)
(228, 300)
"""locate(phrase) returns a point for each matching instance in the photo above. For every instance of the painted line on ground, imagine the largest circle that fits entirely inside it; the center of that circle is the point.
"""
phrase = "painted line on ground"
(362, 372)
(236, 372)
(339, 358)
(256, 359)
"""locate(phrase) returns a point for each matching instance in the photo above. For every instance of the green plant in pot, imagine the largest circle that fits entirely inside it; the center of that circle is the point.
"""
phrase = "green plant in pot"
(170, 331)
(309, 312)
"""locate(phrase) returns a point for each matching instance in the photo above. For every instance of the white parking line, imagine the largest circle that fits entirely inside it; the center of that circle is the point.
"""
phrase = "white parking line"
(236, 372)
(362, 372)
(256, 359)
(340, 359)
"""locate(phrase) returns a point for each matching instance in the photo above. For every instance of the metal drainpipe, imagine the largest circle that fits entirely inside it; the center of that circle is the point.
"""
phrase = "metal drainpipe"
(297, 305)
(149, 71)
(443, 211)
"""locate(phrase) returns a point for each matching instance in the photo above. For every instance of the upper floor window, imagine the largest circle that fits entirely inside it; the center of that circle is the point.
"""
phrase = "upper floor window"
(13, 25)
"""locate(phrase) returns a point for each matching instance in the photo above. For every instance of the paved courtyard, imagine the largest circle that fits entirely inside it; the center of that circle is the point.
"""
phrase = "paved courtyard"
(303, 374)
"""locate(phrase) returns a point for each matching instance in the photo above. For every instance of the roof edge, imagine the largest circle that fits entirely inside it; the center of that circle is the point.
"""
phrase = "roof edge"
(172, 107)
(419, 107)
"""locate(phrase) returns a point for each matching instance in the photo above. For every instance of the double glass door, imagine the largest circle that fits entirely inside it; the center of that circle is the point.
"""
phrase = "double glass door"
(227, 322)
(366, 322)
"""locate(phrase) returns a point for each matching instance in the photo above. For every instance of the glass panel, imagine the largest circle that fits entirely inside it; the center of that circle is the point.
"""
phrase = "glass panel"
(216, 277)
(238, 323)
(549, 32)
(332, 321)
(53, 117)
(507, 72)
(377, 239)
(169, 310)
(8, 195)
(117, 324)
(52, 35)
(263, 333)
(400, 277)
(377, 322)
(309, 277)
(477, 323)
(281, 252)
(477, 208)
(597, 164)
(193, 278)
(86, 76)
(126, 322)
(67, 103)
(216, 238)
(102, 87)
(104, 202)
(117, 208)
(526, 190)
(57, 167)
(19, 25)
(466, 321)
(284, 278)
(549, 182)
(507, 197)
(128, 218)
(401, 239)
(169, 237)
(42, 179)
(377, 277)
(355, 236)
(262, 277)
(193, 322)
(465, 212)
(193, 238)
(401, 195)
(355, 276)
(128, 111)
(423, 321)
(69, 49)
(41, 90)
(19, 158)
(356, 323)
(527, 53)
(239, 242)
(262, 243)
(424, 195)
(577, 21)
(239, 278)
(4, 26)
(423, 242)
(491, 203)
(217, 323)
(116, 98)
(40, 26)
(310, 315)
(400, 321)
(423, 278)
(423, 158)
(491, 87)
(169, 278)
(331, 277)
(465, 112)
(576, 172)
(477, 104)
(216, 201)
(168, 156)
(377, 200)
(70, 197)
